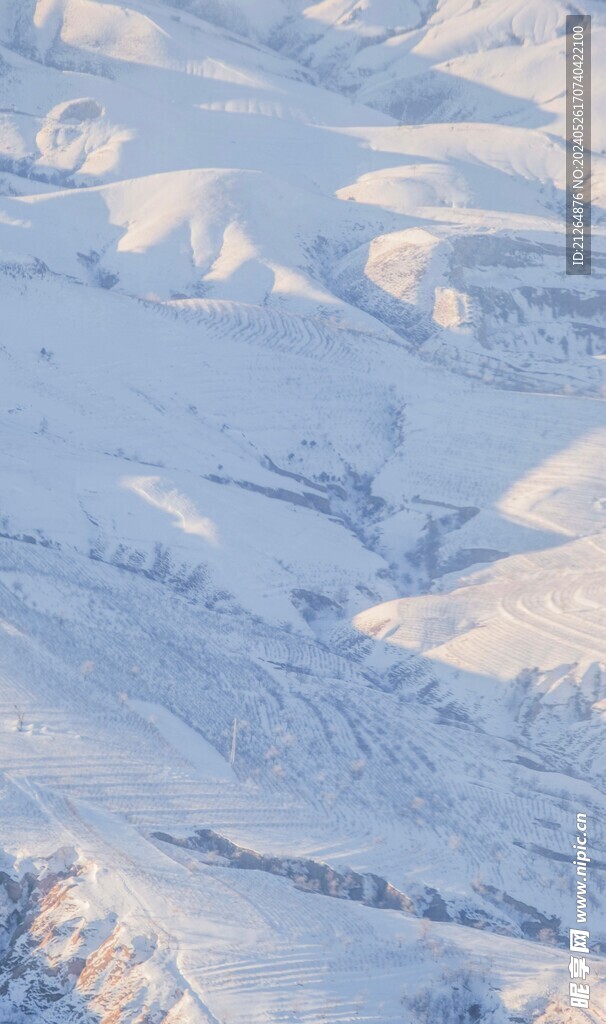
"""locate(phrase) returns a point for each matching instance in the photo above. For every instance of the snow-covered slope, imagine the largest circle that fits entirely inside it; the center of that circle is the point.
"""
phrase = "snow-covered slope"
(303, 426)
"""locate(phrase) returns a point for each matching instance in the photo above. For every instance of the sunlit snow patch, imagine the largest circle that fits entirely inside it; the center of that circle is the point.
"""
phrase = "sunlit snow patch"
(186, 517)
(187, 742)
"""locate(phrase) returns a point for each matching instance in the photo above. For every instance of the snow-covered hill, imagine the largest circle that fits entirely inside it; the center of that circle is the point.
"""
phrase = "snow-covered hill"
(303, 426)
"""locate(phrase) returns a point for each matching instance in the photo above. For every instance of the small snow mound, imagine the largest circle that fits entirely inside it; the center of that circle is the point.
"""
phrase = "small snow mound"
(63, 860)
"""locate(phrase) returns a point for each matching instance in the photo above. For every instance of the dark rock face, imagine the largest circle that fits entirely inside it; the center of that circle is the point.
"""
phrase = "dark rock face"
(30, 981)
(308, 875)
(60, 964)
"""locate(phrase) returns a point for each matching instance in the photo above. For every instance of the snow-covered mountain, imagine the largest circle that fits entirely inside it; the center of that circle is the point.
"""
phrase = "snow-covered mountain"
(303, 427)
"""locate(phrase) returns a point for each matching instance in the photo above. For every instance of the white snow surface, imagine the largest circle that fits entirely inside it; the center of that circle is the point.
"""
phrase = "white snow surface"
(302, 426)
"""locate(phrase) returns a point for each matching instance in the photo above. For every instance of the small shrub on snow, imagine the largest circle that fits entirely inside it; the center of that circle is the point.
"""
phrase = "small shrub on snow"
(458, 997)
